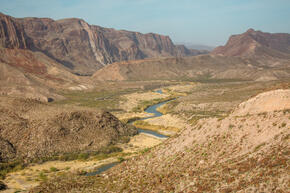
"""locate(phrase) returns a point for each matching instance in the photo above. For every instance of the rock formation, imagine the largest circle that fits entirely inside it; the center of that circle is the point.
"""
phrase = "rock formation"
(257, 44)
(30, 130)
(81, 47)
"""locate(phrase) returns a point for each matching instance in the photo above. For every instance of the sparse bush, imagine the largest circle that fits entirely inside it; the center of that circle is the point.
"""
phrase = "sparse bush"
(42, 176)
(10, 167)
(2, 186)
(231, 126)
(54, 169)
(83, 156)
(121, 159)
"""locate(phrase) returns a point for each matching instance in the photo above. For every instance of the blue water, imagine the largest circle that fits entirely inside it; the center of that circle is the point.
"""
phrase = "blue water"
(159, 91)
(102, 169)
(153, 109)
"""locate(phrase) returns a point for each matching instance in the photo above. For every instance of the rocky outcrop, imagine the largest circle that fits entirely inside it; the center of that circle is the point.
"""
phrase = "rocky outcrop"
(81, 47)
(7, 151)
(257, 44)
(34, 130)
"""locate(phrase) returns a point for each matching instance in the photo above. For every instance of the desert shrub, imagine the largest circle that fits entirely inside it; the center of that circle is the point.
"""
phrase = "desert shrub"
(54, 169)
(10, 167)
(42, 176)
(83, 156)
(2, 186)
(121, 159)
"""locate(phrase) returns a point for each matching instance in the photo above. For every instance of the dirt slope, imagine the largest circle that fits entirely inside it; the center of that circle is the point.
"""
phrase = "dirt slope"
(236, 154)
(203, 67)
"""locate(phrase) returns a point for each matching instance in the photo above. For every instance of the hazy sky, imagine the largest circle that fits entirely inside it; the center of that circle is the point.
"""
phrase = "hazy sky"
(208, 22)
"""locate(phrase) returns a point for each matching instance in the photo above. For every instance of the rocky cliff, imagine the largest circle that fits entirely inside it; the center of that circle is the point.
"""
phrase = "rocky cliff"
(81, 47)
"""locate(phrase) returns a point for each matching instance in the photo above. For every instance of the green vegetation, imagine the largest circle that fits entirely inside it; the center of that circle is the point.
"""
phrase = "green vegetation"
(259, 146)
(102, 153)
(10, 167)
(42, 176)
(145, 125)
(54, 169)
(121, 159)
(145, 104)
(97, 99)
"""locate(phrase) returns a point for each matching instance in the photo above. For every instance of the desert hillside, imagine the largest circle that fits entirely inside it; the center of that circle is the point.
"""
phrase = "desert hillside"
(32, 130)
(198, 68)
(239, 153)
(257, 44)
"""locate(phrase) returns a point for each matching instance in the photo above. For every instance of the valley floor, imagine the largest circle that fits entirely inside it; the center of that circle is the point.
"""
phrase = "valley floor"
(195, 105)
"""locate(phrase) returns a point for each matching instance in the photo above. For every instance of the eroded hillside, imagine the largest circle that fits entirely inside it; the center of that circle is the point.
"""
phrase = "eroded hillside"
(32, 130)
(233, 154)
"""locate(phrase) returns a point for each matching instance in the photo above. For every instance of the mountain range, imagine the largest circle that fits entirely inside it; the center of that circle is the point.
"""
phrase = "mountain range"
(84, 48)
(39, 56)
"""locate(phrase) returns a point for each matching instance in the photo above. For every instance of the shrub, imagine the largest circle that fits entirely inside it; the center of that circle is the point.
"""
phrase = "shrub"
(53, 169)
(42, 176)
(83, 156)
(121, 159)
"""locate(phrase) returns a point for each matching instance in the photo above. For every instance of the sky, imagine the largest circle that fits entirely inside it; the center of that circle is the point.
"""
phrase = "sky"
(206, 22)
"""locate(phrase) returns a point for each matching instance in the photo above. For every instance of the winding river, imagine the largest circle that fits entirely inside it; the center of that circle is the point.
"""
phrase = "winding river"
(152, 110)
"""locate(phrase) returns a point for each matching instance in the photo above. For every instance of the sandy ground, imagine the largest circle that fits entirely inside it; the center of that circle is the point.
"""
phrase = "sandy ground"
(123, 116)
(182, 88)
(168, 120)
(132, 100)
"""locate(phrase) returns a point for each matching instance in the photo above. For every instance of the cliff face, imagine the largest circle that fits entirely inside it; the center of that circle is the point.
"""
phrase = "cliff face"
(257, 44)
(81, 47)
(11, 33)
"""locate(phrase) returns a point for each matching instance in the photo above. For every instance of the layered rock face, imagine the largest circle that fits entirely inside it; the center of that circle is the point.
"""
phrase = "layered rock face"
(257, 43)
(81, 47)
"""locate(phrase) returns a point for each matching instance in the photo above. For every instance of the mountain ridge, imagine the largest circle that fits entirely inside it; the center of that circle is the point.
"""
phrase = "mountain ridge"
(81, 47)
(257, 44)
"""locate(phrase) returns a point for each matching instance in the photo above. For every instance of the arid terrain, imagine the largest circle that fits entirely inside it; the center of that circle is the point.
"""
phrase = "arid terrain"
(151, 115)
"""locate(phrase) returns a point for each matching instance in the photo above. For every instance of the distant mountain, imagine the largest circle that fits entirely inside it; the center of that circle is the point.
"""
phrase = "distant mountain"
(197, 46)
(203, 68)
(257, 44)
(83, 48)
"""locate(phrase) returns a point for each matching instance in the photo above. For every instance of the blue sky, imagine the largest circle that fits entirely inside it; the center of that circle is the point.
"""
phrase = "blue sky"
(208, 22)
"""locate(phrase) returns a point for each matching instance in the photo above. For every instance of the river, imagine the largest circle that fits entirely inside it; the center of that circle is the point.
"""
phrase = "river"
(152, 110)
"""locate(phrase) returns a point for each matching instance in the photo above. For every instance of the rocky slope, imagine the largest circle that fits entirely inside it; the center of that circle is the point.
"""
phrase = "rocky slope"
(235, 154)
(257, 44)
(31, 129)
(204, 67)
(81, 47)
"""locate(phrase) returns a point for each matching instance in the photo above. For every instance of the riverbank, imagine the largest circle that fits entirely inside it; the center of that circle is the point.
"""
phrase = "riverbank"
(33, 175)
